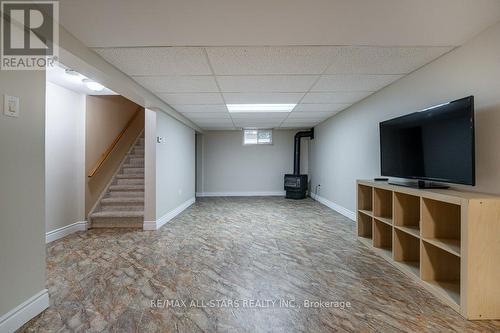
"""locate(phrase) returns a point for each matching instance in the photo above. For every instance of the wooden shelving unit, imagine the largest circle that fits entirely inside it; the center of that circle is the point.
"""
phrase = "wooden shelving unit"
(448, 241)
(364, 226)
(382, 237)
(441, 270)
(407, 213)
(382, 205)
(407, 251)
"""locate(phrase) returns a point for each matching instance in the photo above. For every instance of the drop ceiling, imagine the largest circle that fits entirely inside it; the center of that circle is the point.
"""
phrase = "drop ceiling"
(321, 80)
(323, 55)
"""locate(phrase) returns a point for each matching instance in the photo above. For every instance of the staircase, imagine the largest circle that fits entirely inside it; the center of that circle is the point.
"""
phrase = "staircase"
(122, 205)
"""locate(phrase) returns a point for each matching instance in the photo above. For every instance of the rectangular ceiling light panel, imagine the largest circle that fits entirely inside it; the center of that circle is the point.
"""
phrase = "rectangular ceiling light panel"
(234, 108)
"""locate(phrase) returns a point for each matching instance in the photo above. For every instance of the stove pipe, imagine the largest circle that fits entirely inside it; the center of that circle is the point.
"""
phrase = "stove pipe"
(296, 148)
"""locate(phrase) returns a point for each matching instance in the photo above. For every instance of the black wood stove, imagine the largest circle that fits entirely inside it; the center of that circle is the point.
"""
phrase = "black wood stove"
(296, 184)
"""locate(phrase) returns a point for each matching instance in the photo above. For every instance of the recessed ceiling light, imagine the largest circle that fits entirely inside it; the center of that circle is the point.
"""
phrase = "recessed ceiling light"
(73, 75)
(260, 107)
(92, 85)
(71, 72)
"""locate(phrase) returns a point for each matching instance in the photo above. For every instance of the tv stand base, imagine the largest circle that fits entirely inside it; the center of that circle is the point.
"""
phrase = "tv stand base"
(420, 184)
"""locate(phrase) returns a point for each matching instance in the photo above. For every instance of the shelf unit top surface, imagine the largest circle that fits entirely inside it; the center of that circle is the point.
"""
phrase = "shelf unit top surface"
(451, 193)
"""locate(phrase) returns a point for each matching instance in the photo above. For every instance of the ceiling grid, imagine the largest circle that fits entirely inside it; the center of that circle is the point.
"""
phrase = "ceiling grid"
(321, 80)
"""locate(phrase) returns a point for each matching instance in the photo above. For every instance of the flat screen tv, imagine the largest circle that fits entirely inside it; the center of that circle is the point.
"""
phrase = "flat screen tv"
(435, 144)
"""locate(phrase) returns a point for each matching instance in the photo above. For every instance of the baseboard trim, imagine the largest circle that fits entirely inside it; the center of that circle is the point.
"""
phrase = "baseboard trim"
(241, 194)
(336, 207)
(149, 225)
(65, 231)
(155, 225)
(21, 314)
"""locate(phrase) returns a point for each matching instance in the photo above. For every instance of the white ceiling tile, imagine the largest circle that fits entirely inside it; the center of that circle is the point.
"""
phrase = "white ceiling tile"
(208, 115)
(213, 122)
(270, 59)
(199, 108)
(354, 82)
(260, 119)
(271, 83)
(299, 123)
(262, 98)
(192, 98)
(335, 97)
(296, 127)
(256, 123)
(218, 128)
(178, 84)
(305, 124)
(305, 107)
(158, 60)
(311, 115)
(291, 120)
(382, 60)
(260, 115)
(302, 122)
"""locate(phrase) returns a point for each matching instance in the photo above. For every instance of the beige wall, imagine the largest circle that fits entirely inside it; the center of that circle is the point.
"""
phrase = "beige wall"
(65, 157)
(199, 163)
(347, 146)
(175, 164)
(106, 116)
(22, 190)
(229, 167)
(150, 166)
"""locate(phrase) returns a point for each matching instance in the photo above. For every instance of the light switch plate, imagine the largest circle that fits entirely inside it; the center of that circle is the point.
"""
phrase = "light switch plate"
(11, 106)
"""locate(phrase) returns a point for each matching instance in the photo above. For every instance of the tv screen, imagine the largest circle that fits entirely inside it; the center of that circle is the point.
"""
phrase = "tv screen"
(434, 144)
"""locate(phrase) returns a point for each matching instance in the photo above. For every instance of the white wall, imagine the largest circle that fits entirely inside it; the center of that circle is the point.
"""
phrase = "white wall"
(150, 169)
(65, 157)
(229, 167)
(175, 165)
(346, 147)
(22, 191)
(199, 163)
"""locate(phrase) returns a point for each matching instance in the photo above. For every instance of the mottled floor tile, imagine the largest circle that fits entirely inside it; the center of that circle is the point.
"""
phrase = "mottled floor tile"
(220, 265)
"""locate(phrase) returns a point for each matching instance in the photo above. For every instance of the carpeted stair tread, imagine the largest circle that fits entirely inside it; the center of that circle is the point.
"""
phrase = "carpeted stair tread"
(122, 214)
(127, 187)
(130, 176)
(129, 194)
(122, 200)
(133, 170)
(130, 181)
(134, 165)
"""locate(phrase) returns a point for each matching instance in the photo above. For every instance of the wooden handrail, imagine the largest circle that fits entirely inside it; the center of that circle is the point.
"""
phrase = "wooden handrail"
(108, 151)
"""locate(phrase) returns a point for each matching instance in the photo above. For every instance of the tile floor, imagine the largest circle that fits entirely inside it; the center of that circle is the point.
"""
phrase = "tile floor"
(248, 251)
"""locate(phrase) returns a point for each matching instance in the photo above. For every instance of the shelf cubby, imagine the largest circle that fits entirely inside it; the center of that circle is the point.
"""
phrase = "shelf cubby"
(407, 213)
(365, 198)
(364, 226)
(445, 240)
(407, 251)
(382, 237)
(441, 270)
(441, 225)
(382, 205)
